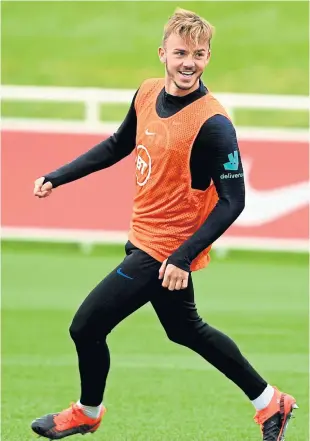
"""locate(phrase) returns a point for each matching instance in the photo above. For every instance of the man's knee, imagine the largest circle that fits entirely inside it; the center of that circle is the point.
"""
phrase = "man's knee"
(96, 325)
(79, 329)
(86, 328)
(187, 335)
(176, 337)
(180, 336)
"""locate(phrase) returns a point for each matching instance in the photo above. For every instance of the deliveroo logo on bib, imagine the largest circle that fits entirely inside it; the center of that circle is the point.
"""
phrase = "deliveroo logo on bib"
(232, 165)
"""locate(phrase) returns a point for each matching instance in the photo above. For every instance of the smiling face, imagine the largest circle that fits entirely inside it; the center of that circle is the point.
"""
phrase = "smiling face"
(185, 62)
(185, 51)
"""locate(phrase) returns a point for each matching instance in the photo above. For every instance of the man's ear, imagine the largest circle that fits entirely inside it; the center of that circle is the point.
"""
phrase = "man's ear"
(208, 57)
(162, 54)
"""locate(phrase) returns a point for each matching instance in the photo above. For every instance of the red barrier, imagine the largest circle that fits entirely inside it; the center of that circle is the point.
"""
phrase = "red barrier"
(276, 174)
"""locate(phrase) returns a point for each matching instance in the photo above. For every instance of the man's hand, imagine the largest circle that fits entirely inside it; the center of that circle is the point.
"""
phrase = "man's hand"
(40, 190)
(174, 277)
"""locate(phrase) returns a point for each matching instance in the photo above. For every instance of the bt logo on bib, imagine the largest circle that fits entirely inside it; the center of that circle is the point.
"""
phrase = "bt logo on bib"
(143, 165)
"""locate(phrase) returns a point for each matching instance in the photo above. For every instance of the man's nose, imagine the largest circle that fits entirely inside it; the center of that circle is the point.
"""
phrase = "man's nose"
(188, 62)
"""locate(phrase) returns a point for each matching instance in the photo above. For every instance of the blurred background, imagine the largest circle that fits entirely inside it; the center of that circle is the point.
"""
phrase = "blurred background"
(69, 71)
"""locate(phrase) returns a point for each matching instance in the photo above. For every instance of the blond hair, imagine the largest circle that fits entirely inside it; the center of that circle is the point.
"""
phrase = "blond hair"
(189, 26)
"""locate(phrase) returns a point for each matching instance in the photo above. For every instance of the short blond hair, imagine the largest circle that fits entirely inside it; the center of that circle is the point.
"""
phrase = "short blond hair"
(189, 26)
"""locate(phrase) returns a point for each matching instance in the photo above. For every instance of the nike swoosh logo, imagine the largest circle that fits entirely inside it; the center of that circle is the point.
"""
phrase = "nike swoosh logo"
(149, 133)
(120, 272)
(263, 206)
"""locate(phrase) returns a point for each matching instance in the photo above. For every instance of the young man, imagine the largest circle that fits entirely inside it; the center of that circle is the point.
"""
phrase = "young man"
(189, 190)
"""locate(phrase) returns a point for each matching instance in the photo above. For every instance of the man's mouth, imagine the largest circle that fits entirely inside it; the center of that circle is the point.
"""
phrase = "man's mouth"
(186, 74)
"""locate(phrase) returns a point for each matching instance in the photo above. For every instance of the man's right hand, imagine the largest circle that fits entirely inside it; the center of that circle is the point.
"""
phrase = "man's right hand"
(42, 190)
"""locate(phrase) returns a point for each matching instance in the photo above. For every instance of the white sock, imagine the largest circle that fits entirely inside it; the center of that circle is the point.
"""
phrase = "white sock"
(90, 411)
(264, 399)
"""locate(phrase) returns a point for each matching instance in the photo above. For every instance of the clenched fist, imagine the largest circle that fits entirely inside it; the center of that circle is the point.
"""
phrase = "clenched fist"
(42, 190)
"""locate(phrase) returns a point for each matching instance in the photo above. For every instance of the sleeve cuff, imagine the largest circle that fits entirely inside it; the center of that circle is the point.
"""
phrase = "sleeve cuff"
(182, 263)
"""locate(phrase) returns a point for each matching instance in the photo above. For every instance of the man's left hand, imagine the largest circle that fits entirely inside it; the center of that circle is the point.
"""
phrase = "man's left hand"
(174, 277)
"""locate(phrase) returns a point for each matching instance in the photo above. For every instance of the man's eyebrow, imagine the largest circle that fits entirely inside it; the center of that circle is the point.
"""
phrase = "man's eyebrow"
(185, 50)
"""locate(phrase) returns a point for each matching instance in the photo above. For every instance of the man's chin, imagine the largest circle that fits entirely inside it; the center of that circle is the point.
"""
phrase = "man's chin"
(184, 86)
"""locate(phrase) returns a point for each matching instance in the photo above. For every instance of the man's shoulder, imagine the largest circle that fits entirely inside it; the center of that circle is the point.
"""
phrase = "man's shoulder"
(217, 126)
(219, 122)
(151, 83)
(153, 80)
(147, 90)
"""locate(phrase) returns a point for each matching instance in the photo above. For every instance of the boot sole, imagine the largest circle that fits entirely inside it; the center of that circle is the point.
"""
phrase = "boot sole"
(286, 421)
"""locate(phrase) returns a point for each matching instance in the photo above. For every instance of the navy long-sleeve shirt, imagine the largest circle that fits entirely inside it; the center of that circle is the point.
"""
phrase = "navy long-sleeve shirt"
(211, 149)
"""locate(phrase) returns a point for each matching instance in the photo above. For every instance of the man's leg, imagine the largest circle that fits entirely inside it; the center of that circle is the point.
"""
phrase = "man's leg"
(177, 313)
(122, 292)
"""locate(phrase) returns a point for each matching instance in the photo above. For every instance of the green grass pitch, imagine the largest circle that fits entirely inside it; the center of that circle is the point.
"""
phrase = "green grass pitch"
(157, 391)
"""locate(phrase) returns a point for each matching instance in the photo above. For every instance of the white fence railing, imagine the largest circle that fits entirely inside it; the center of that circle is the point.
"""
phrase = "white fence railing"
(93, 98)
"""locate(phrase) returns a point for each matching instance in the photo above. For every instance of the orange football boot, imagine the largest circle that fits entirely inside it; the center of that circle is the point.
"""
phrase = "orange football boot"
(65, 423)
(274, 418)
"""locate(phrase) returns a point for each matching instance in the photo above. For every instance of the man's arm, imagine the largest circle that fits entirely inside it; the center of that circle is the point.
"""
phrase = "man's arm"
(103, 155)
(215, 141)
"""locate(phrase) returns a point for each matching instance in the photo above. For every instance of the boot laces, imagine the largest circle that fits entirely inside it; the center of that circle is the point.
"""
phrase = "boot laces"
(260, 417)
(67, 416)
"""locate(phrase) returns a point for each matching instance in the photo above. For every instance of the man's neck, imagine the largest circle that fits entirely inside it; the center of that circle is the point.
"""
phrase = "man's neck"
(173, 90)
